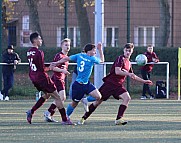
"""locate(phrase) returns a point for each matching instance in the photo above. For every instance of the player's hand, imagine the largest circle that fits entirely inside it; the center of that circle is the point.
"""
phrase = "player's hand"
(65, 71)
(99, 46)
(53, 64)
(148, 82)
(155, 60)
(132, 75)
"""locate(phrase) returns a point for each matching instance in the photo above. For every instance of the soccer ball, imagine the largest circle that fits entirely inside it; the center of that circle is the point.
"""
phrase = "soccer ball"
(141, 60)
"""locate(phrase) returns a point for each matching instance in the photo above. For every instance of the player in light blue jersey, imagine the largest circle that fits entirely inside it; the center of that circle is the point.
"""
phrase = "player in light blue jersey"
(82, 85)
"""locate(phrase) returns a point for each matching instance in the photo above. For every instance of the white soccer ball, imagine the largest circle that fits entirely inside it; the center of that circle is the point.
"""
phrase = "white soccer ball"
(141, 60)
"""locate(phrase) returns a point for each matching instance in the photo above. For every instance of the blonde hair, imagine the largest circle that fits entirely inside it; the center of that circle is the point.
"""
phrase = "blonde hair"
(65, 40)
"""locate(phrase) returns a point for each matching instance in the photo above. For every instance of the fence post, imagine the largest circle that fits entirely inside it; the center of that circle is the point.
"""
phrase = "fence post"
(128, 36)
(0, 44)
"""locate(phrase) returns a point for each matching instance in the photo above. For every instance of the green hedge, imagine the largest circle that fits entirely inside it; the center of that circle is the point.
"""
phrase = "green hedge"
(165, 55)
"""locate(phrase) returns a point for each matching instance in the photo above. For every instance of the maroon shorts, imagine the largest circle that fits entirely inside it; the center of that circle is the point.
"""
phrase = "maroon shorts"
(45, 85)
(59, 83)
(108, 89)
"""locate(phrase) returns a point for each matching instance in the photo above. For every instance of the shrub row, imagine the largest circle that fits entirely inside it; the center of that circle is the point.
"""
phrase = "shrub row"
(165, 55)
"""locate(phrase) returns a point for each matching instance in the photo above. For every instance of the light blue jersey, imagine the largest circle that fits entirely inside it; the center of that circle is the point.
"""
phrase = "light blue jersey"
(85, 65)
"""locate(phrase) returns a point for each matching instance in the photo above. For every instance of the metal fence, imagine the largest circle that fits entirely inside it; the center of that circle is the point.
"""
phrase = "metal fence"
(142, 22)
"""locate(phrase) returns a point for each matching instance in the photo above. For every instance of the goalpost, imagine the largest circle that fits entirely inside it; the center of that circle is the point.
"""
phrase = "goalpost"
(159, 63)
(179, 66)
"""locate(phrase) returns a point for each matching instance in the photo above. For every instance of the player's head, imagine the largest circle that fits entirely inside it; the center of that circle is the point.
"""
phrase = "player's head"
(128, 49)
(35, 39)
(90, 49)
(150, 48)
(65, 44)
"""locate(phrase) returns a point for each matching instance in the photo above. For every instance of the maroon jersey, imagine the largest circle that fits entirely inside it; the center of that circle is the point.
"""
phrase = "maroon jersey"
(36, 65)
(149, 56)
(124, 64)
(58, 57)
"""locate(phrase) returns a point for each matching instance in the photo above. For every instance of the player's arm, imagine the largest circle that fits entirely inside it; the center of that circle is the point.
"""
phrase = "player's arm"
(63, 60)
(120, 71)
(143, 81)
(155, 58)
(99, 47)
(56, 69)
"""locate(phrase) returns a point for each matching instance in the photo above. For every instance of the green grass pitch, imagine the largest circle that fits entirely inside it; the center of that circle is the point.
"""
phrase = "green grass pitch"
(150, 121)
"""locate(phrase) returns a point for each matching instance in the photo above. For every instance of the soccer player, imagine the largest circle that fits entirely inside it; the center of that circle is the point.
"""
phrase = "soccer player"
(41, 80)
(59, 78)
(113, 85)
(85, 62)
(146, 70)
(84, 100)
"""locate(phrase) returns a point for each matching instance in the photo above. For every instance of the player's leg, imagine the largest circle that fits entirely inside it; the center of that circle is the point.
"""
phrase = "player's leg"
(48, 115)
(145, 86)
(93, 95)
(78, 91)
(71, 107)
(59, 104)
(60, 85)
(122, 108)
(148, 89)
(37, 105)
(85, 102)
(92, 108)
(74, 75)
(104, 92)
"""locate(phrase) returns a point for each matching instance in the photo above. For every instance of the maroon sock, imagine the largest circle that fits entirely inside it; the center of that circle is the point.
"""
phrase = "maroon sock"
(63, 114)
(122, 109)
(52, 108)
(91, 110)
(38, 104)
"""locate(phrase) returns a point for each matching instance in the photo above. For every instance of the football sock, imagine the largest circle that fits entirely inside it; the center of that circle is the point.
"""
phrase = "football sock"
(90, 98)
(122, 109)
(91, 109)
(52, 108)
(70, 109)
(63, 114)
(38, 104)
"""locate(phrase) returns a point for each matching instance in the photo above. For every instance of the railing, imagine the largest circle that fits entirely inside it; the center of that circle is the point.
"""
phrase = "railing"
(133, 63)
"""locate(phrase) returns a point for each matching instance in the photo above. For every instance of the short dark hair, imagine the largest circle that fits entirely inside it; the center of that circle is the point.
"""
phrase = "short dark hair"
(33, 36)
(89, 47)
(129, 46)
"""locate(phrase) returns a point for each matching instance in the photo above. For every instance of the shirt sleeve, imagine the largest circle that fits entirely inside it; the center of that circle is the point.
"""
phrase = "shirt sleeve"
(155, 56)
(119, 62)
(74, 57)
(96, 60)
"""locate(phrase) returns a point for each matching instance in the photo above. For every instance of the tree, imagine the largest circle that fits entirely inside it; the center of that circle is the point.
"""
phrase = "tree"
(83, 21)
(164, 29)
(34, 17)
(6, 17)
(82, 18)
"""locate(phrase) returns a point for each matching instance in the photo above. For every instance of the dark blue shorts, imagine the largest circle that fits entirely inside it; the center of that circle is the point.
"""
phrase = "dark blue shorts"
(78, 90)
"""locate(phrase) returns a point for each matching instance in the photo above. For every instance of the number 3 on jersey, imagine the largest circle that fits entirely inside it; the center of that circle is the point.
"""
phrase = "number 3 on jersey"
(81, 68)
(33, 66)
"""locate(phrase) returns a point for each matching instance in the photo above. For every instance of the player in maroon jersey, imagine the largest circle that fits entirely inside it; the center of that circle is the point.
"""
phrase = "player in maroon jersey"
(113, 85)
(145, 70)
(59, 78)
(41, 80)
